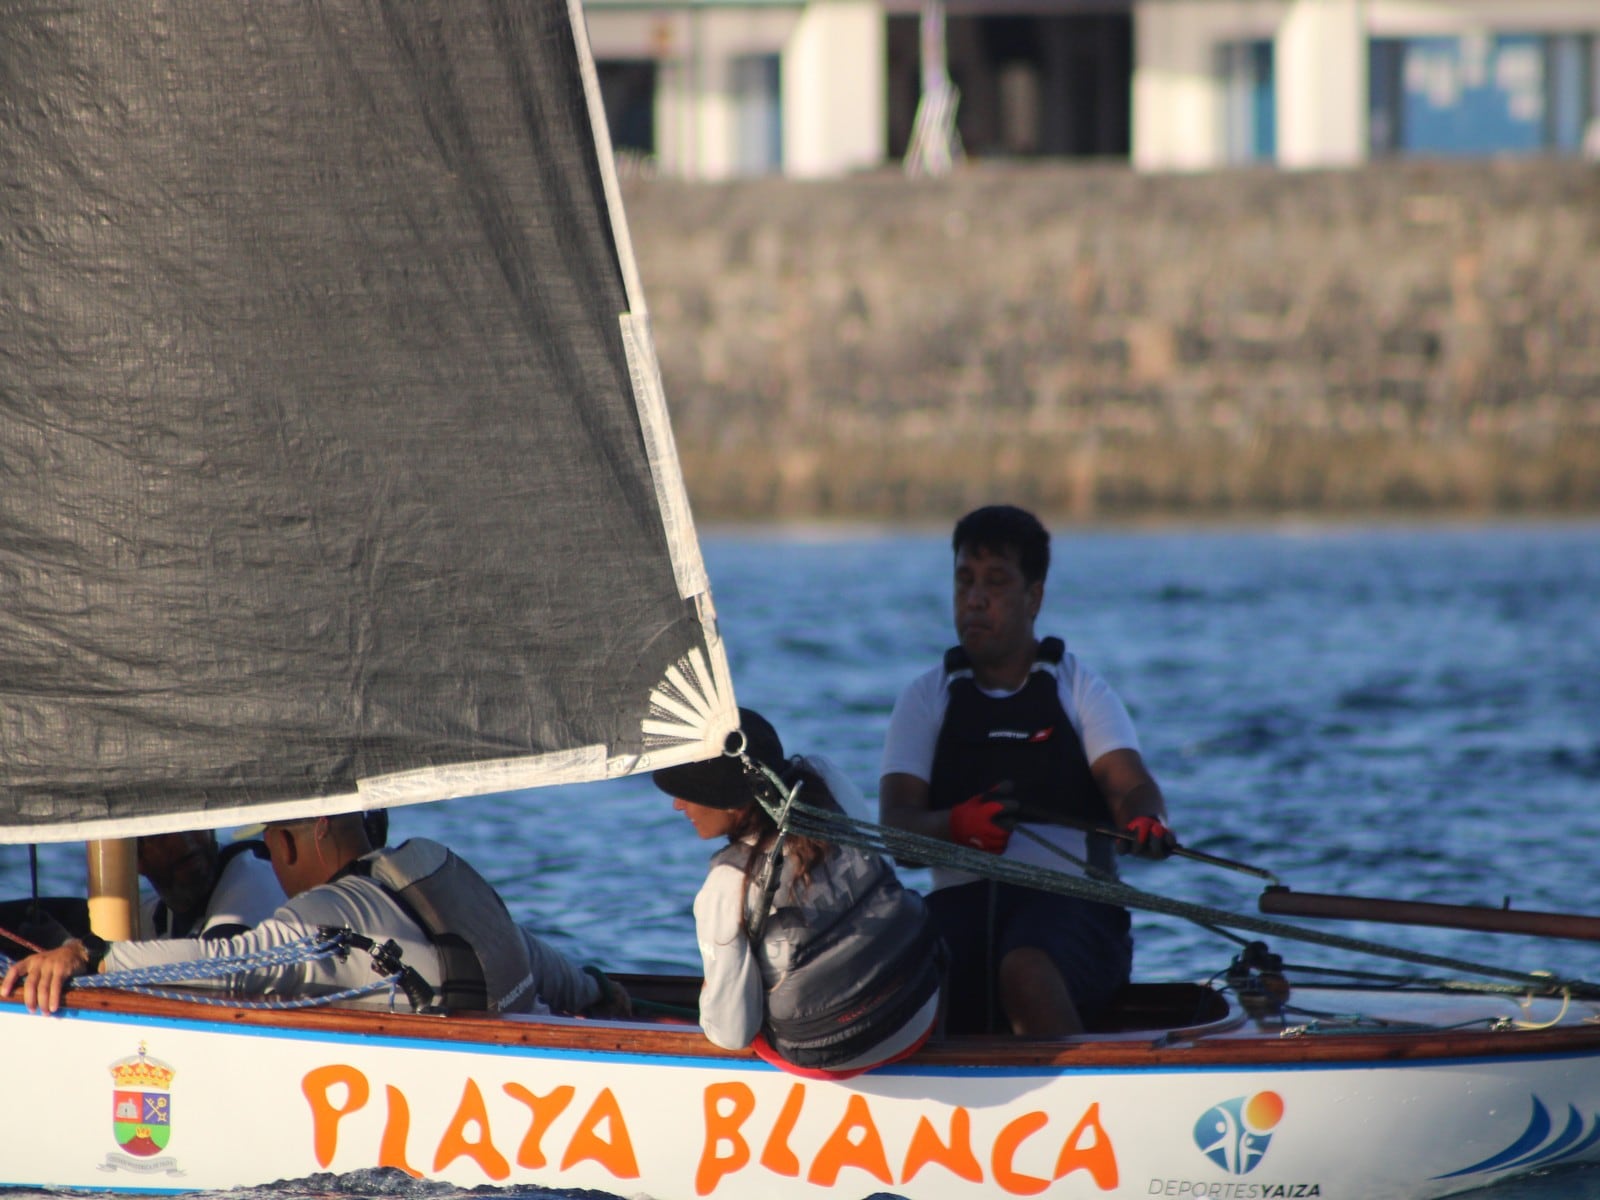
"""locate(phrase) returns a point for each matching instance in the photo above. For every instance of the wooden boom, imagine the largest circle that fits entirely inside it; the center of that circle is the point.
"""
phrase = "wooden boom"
(1283, 902)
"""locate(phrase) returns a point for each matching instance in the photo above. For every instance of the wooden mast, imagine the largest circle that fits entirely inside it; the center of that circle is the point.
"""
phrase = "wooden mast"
(114, 889)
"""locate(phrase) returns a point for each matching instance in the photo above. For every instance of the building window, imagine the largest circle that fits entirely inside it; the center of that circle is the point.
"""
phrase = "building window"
(758, 115)
(628, 92)
(1570, 62)
(1482, 94)
(1250, 118)
(1030, 85)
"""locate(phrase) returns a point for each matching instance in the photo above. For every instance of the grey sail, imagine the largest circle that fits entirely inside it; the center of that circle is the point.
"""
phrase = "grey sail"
(334, 467)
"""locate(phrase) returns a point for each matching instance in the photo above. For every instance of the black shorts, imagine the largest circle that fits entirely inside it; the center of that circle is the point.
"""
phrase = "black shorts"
(1090, 944)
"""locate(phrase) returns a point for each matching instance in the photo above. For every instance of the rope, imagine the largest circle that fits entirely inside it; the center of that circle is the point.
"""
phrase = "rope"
(386, 984)
(665, 1009)
(1566, 1002)
(313, 947)
(825, 825)
(20, 941)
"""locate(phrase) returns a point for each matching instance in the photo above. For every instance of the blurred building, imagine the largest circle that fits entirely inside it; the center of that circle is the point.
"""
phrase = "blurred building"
(1305, 83)
(713, 89)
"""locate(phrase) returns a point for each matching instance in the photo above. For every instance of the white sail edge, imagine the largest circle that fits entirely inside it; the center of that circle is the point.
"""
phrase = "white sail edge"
(601, 132)
(661, 450)
(584, 764)
(644, 369)
(720, 717)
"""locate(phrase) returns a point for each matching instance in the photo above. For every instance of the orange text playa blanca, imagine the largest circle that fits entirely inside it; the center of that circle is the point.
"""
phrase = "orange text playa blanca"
(735, 1137)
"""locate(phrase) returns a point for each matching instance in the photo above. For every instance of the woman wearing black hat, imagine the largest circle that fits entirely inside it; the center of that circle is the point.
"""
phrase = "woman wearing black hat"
(821, 961)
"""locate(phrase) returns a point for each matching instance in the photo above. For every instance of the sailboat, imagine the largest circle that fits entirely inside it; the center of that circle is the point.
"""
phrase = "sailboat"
(339, 476)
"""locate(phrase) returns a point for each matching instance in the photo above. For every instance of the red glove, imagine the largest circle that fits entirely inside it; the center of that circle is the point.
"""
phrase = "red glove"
(972, 823)
(1151, 839)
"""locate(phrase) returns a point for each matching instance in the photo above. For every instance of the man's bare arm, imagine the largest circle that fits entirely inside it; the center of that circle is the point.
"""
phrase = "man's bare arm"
(903, 804)
(1131, 792)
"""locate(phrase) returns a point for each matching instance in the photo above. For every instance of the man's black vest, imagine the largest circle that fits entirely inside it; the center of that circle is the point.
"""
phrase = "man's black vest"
(1022, 744)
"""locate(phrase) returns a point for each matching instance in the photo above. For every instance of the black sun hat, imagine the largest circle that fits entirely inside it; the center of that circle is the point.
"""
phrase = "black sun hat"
(723, 782)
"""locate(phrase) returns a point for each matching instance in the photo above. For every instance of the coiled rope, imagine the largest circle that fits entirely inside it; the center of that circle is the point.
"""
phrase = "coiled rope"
(313, 947)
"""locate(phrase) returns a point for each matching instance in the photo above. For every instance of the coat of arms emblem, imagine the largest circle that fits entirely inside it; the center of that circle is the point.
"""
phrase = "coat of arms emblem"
(141, 1104)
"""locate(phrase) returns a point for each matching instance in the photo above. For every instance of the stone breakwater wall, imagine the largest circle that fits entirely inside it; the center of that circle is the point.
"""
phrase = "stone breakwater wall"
(1421, 339)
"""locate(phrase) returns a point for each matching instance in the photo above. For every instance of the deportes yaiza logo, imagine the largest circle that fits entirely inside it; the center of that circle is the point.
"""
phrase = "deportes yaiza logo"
(141, 1113)
(1236, 1133)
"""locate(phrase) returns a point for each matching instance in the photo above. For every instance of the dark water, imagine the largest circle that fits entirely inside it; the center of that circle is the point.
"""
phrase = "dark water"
(1398, 712)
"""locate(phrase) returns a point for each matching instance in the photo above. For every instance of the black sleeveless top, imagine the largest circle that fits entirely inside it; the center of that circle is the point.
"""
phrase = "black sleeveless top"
(1023, 744)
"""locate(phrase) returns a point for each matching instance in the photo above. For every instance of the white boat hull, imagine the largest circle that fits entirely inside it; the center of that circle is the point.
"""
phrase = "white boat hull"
(224, 1099)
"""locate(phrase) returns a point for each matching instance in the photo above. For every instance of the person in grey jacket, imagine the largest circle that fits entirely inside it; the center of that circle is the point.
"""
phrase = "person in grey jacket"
(816, 956)
(454, 934)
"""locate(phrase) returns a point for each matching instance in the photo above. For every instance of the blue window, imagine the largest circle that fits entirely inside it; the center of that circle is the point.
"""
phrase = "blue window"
(1251, 113)
(1481, 95)
(1570, 63)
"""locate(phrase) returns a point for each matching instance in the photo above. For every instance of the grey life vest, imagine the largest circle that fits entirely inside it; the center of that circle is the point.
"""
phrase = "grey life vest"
(483, 957)
(846, 960)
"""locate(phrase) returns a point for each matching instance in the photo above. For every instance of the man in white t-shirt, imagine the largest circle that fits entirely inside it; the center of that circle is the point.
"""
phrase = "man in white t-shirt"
(1011, 726)
(201, 889)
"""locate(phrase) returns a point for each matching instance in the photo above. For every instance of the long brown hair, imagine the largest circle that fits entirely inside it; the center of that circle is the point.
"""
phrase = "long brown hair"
(804, 852)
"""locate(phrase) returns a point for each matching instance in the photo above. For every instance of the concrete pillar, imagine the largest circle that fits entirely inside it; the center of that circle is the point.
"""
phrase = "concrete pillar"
(677, 108)
(835, 87)
(1320, 62)
(1177, 97)
(716, 126)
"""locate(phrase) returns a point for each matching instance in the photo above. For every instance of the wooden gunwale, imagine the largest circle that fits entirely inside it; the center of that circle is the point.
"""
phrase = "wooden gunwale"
(1232, 1041)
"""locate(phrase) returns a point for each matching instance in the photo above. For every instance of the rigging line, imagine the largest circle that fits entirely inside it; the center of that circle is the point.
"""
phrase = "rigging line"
(310, 948)
(915, 848)
(1214, 860)
(1336, 1025)
(1390, 982)
(1566, 1003)
(1380, 981)
(20, 940)
(1093, 872)
(662, 1007)
(774, 865)
(387, 983)
(1288, 969)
